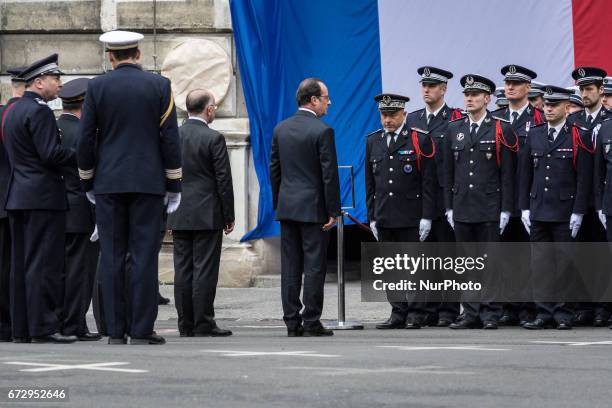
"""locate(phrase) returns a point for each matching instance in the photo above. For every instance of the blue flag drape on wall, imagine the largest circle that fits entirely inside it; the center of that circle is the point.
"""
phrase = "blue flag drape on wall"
(281, 42)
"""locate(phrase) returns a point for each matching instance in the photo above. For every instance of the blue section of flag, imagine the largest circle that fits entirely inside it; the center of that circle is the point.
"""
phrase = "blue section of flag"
(281, 42)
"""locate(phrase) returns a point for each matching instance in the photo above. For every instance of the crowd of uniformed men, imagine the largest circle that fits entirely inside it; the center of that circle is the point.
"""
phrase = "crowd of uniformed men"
(536, 169)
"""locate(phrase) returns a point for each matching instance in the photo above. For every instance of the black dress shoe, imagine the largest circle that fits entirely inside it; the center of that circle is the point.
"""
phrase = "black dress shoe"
(522, 323)
(295, 331)
(508, 320)
(214, 332)
(489, 325)
(391, 324)
(22, 340)
(465, 324)
(89, 336)
(564, 325)
(188, 333)
(318, 332)
(6, 339)
(583, 319)
(153, 339)
(413, 324)
(538, 324)
(162, 300)
(57, 338)
(600, 321)
(117, 340)
(444, 323)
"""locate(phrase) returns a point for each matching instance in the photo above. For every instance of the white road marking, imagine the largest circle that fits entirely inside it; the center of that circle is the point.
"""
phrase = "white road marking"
(42, 367)
(464, 348)
(241, 353)
(338, 371)
(576, 343)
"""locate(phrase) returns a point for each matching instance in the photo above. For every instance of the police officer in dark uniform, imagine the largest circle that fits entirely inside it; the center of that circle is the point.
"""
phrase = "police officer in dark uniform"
(401, 188)
(81, 253)
(556, 178)
(434, 118)
(500, 98)
(536, 95)
(129, 159)
(607, 93)
(576, 104)
(590, 83)
(17, 89)
(36, 205)
(479, 182)
(522, 115)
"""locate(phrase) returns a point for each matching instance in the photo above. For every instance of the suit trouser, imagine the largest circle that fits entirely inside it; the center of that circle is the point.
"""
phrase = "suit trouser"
(303, 252)
(479, 232)
(131, 223)
(197, 255)
(515, 232)
(79, 274)
(406, 310)
(441, 231)
(552, 232)
(36, 271)
(5, 279)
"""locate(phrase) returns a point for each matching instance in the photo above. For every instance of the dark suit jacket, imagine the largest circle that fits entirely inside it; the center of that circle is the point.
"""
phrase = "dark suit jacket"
(602, 173)
(80, 215)
(35, 153)
(129, 134)
(207, 201)
(304, 170)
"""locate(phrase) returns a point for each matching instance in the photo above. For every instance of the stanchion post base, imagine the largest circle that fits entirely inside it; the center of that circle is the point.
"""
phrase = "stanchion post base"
(344, 326)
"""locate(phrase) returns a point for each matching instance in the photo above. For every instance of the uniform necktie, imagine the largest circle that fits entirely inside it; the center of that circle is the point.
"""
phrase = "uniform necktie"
(429, 118)
(473, 130)
(551, 135)
(589, 120)
(391, 138)
(514, 117)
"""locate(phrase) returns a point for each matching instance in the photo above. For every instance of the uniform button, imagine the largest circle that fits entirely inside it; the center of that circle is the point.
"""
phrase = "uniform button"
(547, 178)
(390, 181)
(471, 161)
(547, 167)
(391, 193)
(471, 186)
(418, 195)
(545, 188)
(390, 168)
(471, 174)
(391, 157)
(548, 155)
(471, 149)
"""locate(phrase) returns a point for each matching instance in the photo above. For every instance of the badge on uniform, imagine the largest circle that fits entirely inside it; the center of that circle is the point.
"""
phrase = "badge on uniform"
(527, 126)
(404, 132)
(460, 136)
(407, 169)
(487, 120)
(489, 156)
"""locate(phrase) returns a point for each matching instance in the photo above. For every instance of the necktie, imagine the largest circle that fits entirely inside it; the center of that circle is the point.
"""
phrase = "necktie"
(429, 118)
(514, 117)
(589, 120)
(391, 137)
(551, 135)
(473, 130)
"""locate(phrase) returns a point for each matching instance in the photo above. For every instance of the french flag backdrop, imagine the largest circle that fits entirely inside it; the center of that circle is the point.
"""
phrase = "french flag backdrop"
(360, 48)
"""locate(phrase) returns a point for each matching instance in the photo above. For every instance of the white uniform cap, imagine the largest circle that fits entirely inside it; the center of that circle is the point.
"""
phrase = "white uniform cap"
(120, 40)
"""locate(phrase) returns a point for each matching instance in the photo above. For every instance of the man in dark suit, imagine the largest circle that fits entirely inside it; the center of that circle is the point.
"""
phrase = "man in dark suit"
(306, 197)
(206, 210)
(129, 159)
(81, 253)
(17, 90)
(36, 204)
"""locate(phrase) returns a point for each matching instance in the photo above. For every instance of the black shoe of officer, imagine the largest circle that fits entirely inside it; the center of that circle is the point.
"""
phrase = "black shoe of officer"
(413, 323)
(117, 340)
(57, 338)
(318, 332)
(27, 339)
(600, 321)
(508, 320)
(442, 322)
(295, 331)
(489, 325)
(153, 339)
(186, 333)
(538, 324)
(465, 324)
(214, 332)
(391, 323)
(88, 336)
(162, 300)
(564, 325)
(583, 319)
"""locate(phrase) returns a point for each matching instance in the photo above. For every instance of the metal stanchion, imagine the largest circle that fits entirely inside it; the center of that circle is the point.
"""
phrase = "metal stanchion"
(341, 324)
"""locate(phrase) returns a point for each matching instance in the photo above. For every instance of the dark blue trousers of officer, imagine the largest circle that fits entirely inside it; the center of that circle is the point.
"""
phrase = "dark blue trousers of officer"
(5, 274)
(131, 223)
(36, 271)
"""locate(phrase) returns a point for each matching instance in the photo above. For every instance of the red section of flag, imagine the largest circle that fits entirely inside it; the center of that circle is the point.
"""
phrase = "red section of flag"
(592, 33)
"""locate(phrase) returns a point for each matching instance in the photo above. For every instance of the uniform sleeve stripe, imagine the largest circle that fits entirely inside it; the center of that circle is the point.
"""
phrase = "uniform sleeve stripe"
(168, 111)
(86, 174)
(174, 174)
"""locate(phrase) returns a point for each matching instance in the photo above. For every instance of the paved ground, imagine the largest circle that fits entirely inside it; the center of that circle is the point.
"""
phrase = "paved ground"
(259, 366)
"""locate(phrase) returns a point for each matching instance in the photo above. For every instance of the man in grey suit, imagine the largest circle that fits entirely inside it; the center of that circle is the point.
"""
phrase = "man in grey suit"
(206, 210)
(306, 197)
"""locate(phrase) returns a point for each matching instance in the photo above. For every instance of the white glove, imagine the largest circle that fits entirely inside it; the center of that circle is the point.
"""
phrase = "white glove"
(575, 223)
(94, 236)
(374, 229)
(602, 218)
(504, 218)
(424, 229)
(173, 200)
(91, 197)
(449, 218)
(525, 214)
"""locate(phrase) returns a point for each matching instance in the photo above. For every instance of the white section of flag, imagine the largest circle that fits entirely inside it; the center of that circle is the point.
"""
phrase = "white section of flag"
(473, 37)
